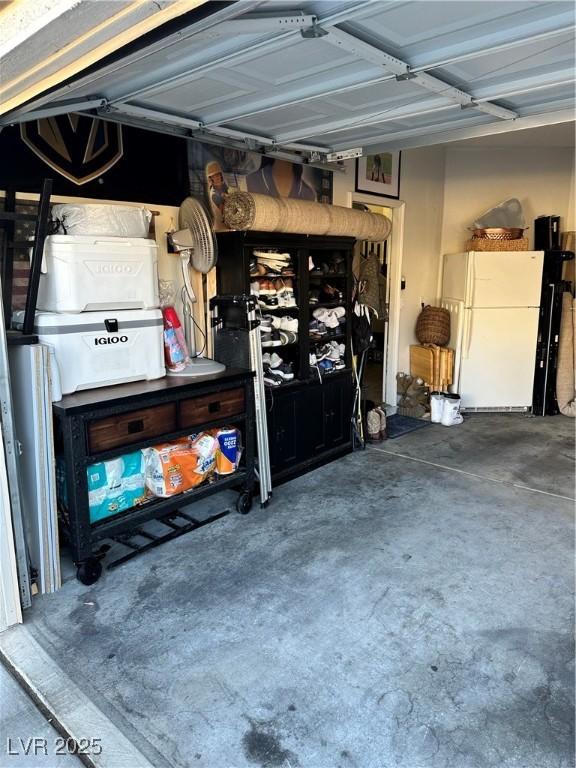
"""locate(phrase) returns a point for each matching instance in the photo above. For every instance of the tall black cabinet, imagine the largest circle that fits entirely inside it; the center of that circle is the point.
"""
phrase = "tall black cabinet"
(309, 417)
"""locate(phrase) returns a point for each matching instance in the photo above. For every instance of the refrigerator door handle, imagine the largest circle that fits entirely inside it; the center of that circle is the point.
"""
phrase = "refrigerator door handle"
(471, 288)
(467, 334)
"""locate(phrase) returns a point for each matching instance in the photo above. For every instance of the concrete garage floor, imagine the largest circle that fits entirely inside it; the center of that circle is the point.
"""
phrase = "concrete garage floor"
(383, 612)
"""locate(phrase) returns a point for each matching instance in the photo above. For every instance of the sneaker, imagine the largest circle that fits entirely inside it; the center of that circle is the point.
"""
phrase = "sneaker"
(326, 316)
(325, 366)
(272, 321)
(265, 287)
(329, 293)
(316, 328)
(287, 300)
(266, 358)
(288, 337)
(327, 352)
(275, 360)
(255, 288)
(272, 379)
(280, 286)
(272, 339)
(314, 296)
(284, 370)
(288, 323)
(268, 302)
(272, 255)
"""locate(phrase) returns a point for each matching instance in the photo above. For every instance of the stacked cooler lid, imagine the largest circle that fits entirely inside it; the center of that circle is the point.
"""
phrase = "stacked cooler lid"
(98, 304)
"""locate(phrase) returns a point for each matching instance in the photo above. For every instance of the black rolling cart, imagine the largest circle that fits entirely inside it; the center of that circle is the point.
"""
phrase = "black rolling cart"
(101, 424)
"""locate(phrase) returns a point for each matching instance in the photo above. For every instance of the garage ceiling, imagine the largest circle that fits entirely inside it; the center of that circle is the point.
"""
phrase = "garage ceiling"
(325, 77)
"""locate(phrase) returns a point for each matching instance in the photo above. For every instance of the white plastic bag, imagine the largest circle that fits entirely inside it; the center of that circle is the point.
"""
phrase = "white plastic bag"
(109, 220)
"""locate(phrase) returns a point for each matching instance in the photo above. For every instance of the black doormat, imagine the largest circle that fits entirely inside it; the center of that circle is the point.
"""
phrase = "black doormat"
(397, 425)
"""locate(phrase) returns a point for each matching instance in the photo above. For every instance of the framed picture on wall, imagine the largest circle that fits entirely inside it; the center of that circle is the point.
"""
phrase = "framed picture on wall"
(379, 174)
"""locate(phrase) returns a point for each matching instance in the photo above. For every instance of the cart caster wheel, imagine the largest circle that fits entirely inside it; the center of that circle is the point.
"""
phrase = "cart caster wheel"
(244, 503)
(89, 571)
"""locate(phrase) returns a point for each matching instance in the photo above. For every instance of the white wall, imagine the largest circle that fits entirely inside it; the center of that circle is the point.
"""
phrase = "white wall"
(422, 191)
(477, 178)
(445, 188)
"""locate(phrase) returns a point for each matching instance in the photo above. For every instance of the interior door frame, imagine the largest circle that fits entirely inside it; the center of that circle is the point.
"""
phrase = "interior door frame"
(392, 332)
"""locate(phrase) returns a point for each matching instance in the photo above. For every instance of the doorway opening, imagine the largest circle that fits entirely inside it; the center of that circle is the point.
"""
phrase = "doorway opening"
(377, 268)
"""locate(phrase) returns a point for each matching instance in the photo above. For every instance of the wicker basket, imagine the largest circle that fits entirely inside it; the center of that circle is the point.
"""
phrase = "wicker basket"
(433, 326)
(484, 244)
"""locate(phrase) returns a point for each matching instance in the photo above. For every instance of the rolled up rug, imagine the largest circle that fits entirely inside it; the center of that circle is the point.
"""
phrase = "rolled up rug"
(245, 210)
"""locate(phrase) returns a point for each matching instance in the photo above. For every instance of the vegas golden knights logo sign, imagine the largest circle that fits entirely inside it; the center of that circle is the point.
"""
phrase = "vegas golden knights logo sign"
(79, 147)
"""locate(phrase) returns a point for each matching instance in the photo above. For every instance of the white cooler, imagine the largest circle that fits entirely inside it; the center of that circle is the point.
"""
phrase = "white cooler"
(98, 349)
(84, 273)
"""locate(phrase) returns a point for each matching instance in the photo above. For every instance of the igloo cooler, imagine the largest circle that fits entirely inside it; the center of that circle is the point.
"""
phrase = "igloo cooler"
(98, 349)
(84, 273)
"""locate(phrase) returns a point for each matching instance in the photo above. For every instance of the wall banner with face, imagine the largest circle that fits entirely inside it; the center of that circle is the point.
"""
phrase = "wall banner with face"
(216, 171)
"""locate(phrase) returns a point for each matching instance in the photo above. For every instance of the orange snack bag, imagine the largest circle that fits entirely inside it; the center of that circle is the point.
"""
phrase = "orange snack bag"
(172, 468)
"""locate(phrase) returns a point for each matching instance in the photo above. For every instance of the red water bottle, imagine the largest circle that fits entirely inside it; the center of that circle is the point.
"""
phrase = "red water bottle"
(175, 349)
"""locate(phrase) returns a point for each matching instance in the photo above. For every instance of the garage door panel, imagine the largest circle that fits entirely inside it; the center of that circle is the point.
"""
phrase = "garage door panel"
(443, 25)
(336, 86)
(194, 98)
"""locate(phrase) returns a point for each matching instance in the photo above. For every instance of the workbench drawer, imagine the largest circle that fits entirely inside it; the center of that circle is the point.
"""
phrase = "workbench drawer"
(198, 410)
(131, 427)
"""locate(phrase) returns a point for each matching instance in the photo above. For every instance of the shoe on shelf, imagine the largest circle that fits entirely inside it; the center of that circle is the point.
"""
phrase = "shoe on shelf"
(314, 296)
(280, 285)
(272, 321)
(287, 300)
(268, 302)
(325, 366)
(255, 288)
(288, 323)
(266, 287)
(330, 294)
(270, 339)
(273, 255)
(272, 379)
(317, 328)
(326, 316)
(326, 352)
(278, 366)
(288, 337)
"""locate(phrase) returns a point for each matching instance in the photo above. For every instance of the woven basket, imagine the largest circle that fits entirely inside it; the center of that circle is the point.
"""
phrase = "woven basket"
(484, 244)
(433, 326)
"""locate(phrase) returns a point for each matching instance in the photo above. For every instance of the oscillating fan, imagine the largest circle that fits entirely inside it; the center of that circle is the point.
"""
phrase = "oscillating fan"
(194, 242)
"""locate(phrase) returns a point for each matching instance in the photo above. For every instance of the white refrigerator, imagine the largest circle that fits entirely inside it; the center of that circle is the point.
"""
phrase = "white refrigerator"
(494, 301)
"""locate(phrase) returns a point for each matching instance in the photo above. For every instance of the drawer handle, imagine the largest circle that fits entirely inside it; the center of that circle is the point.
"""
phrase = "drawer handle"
(135, 426)
(214, 407)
